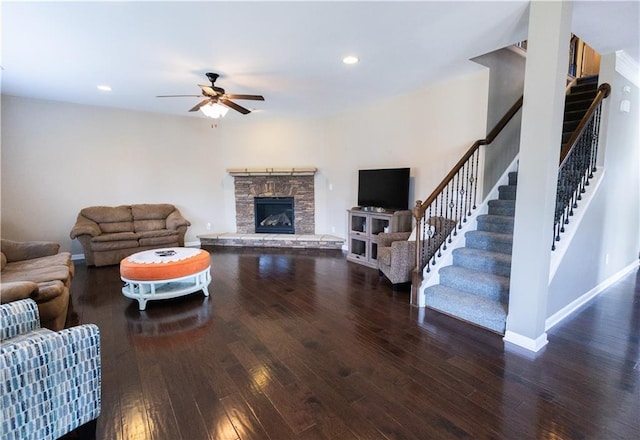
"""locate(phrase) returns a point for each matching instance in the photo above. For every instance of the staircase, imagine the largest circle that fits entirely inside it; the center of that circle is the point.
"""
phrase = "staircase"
(577, 103)
(476, 287)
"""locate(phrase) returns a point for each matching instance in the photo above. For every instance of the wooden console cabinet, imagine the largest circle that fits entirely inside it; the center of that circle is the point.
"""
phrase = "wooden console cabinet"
(364, 227)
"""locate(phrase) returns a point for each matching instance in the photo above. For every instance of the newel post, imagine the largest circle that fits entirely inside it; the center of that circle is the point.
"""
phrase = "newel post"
(416, 276)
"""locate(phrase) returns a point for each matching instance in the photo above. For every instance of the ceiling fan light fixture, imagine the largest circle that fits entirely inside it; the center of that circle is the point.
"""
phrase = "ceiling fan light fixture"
(214, 110)
(350, 59)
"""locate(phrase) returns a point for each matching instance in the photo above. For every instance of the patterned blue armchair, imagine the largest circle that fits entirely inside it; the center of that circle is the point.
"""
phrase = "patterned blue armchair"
(49, 381)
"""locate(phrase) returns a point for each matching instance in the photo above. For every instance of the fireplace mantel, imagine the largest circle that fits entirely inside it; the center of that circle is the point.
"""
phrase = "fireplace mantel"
(298, 171)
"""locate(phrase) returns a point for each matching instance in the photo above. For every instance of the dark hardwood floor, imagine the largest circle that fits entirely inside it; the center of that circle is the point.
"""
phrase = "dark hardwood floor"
(301, 344)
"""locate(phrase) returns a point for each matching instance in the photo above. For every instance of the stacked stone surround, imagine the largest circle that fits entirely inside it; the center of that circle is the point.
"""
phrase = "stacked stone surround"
(301, 188)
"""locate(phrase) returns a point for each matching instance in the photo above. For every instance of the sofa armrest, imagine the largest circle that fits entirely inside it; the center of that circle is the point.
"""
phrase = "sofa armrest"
(386, 238)
(18, 317)
(60, 368)
(16, 290)
(85, 226)
(175, 220)
(81, 348)
(26, 250)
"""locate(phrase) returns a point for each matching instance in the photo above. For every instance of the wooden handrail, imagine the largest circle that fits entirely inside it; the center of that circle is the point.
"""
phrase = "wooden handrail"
(603, 91)
(422, 207)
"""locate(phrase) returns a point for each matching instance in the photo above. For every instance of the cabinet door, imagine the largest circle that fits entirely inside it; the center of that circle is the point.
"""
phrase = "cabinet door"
(358, 224)
(358, 248)
(373, 251)
(378, 224)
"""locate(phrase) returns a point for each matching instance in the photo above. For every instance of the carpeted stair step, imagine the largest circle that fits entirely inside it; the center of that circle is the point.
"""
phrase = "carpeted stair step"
(502, 207)
(491, 286)
(575, 115)
(581, 96)
(489, 241)
(588, 79)
(495, 223)
(507, 192)
(484, 261)
(570, 126)
(584, 87)
(513, 178)
(473, 308)
(577, 105)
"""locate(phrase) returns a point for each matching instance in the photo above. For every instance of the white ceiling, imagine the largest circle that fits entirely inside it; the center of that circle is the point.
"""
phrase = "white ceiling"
(290, 52)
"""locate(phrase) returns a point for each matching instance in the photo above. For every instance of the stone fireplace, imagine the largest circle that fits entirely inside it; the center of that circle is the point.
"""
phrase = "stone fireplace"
(295, 184)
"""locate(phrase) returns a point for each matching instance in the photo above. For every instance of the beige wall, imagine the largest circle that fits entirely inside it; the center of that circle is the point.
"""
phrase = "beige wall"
(59, 157)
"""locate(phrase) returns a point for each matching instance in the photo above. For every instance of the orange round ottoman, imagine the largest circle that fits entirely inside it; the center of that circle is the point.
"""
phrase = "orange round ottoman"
(165, 273)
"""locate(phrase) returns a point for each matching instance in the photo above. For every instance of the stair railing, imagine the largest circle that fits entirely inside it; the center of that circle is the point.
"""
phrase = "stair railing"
(449, 205)
(578, 159)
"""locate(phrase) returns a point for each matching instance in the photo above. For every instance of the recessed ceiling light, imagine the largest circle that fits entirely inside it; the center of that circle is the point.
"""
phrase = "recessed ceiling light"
(350, 59)
(104, 88)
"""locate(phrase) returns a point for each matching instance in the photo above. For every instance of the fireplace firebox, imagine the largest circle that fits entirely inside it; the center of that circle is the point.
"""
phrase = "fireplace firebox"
(274, 215)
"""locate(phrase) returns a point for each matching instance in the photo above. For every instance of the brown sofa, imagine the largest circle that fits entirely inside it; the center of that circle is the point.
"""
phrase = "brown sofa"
(109, 234)
(35, 269)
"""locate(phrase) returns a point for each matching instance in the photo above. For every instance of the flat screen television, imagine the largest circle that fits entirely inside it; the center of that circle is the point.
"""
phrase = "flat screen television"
(384, 188)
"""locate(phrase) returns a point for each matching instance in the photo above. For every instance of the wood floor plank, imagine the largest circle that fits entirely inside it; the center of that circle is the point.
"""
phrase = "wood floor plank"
(301, 344)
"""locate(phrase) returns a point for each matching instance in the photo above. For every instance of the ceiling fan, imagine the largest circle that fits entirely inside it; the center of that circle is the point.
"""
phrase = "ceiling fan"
(217, 95)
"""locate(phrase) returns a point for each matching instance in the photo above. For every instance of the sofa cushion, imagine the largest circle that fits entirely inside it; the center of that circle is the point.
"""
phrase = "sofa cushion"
(61, 259)
(108, 214)
(384, 255)
(115, 236)
(101, 246)
(27, 250)
(161, 237)
(3, 260)
(39, 275)
(167, 241)
(149, 225)
(111, 227)
(158, 211)
(157, 233)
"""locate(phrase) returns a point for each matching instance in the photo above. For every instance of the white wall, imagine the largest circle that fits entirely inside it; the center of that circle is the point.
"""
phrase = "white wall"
(428, 131)
(506, 85)
(58, 158)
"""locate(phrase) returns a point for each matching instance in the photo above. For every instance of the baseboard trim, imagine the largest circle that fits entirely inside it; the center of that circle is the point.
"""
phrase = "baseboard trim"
(563, 313)
(526, 342)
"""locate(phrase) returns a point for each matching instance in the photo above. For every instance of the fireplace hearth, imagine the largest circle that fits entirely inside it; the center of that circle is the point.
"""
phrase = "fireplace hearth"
(274, 215)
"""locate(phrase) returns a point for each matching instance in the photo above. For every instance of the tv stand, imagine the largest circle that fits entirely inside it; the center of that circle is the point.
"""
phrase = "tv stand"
(365, 225)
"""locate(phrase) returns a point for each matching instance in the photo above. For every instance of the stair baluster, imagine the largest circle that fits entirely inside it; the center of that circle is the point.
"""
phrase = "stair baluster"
(578, 162)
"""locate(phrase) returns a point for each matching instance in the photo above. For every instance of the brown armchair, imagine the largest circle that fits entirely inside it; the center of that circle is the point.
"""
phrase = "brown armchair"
(397, 253)
(396, 257)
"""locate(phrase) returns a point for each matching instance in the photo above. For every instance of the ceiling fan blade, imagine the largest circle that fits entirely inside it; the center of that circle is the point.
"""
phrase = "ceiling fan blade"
(200, 104)
(208, 90)
(251, 97)
(178, 96)
(235, 106)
